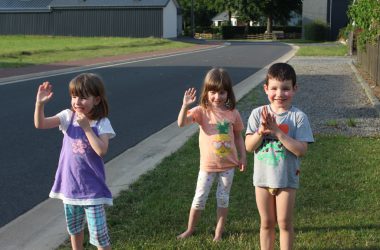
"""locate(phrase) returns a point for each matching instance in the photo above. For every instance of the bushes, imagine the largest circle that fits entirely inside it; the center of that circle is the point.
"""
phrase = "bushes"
(316, 31)
(229, 32)
(365, 21)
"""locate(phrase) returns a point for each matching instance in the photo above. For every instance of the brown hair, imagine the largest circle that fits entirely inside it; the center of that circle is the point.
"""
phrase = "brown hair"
(88, 84)
(281, 72)
(217, 79)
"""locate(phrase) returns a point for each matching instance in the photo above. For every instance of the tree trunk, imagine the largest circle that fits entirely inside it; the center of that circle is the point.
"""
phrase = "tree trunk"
(229, 18)
(269, 24)
(246, 29)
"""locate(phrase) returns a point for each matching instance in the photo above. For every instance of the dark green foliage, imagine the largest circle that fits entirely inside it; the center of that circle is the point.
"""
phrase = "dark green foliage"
(316, 31)
(365, 21)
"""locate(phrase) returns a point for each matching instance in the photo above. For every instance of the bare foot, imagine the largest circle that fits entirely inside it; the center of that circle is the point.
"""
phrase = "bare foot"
(217, 238)
(185, 234)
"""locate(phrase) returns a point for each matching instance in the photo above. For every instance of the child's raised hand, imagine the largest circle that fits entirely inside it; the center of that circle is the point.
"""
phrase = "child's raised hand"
(189, 97)
(44, 93)
(82, 120)
(268, 123)
(263, 129)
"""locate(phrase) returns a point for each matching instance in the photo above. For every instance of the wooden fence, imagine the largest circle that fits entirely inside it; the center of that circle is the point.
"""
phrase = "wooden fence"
(265, 36)
(370, 61)
(207, 36)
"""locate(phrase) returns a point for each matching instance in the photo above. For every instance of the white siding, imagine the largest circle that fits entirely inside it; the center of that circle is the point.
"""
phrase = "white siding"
(170, 20)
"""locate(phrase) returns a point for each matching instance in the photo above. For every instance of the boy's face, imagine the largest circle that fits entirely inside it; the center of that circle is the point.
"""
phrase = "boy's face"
(280, 94)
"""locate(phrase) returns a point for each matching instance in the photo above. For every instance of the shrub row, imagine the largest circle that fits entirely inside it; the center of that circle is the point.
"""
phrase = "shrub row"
(228, 32)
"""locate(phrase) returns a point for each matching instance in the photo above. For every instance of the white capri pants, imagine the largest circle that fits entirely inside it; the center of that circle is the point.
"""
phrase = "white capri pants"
(204, 183)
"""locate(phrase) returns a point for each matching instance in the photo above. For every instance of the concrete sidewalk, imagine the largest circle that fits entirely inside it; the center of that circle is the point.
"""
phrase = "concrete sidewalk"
(43, 227)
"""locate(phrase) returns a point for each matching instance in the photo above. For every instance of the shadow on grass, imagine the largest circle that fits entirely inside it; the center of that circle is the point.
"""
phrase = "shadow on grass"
(337, 228)
(355, 248)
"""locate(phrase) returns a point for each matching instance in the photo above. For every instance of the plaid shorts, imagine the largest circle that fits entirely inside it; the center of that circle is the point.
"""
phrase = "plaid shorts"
(96, 220)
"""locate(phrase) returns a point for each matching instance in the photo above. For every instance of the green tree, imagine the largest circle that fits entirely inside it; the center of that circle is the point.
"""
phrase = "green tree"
(248, 10)
(226, 5)
(203, 11)
(276, 10)
(365, 18)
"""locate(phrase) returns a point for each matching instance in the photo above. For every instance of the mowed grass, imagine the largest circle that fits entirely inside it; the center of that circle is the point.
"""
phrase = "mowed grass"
(22, 50)
(322, 50)
(337, 205)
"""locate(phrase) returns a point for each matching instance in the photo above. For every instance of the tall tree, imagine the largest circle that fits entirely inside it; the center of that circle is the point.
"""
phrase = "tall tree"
(203, 10)
(226, 5)
(248, 11)
(279, 10)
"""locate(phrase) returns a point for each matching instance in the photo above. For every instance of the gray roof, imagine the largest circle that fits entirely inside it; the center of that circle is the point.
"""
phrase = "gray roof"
(24, 4)
(223, 16)
(109, 3)
(45, 5)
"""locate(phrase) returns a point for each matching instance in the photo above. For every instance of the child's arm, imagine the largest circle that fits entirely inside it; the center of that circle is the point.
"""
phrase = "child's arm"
(44, 94)
(298, 148)
(239, 142)
(253, 141)
(188, 99)
(98, 143)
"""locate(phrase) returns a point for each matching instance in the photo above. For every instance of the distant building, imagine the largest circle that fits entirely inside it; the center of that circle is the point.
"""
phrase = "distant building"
(222, 18)
(124, 18)
(331, 12)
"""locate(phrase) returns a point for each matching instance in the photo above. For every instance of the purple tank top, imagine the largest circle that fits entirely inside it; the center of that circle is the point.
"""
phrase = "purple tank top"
(80, 177)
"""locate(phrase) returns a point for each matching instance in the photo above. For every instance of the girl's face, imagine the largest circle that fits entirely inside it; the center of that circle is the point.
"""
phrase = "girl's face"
(280, 94)
(84, 105)
(217, 99)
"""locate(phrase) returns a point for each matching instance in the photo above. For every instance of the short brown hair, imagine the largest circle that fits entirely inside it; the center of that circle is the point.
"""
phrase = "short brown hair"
(217, 79)
(281, 72)
(88, 84)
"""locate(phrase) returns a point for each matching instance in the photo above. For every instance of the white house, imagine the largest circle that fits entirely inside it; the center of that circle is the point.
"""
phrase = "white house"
(221, 18)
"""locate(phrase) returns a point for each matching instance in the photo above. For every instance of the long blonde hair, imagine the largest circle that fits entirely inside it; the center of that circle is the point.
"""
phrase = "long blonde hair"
(217, 79)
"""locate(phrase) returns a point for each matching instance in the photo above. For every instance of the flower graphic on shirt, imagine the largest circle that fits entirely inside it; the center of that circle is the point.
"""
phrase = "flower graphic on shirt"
(222, 141)
(79, 146)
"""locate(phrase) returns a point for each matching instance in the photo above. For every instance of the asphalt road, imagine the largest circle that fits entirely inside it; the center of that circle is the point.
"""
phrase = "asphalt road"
(144, 97)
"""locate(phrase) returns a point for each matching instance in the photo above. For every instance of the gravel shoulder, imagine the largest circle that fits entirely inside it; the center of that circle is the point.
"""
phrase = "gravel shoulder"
(331, 95)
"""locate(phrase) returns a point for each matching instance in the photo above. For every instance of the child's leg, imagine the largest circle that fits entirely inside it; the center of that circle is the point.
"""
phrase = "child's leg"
(225, 180)
(97, 226)
(194, 216)
(75, 225)
(221, 217)
(267, 210)
(77, 241)
(285, 201)
(204, 184)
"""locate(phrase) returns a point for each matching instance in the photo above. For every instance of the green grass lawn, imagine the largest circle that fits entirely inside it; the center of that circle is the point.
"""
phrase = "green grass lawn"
(322, 50)
(25, 50)
(20, 50)
(311, 48)
(337, 205)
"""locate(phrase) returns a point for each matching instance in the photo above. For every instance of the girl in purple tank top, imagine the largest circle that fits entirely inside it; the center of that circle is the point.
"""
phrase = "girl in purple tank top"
(80, 178)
